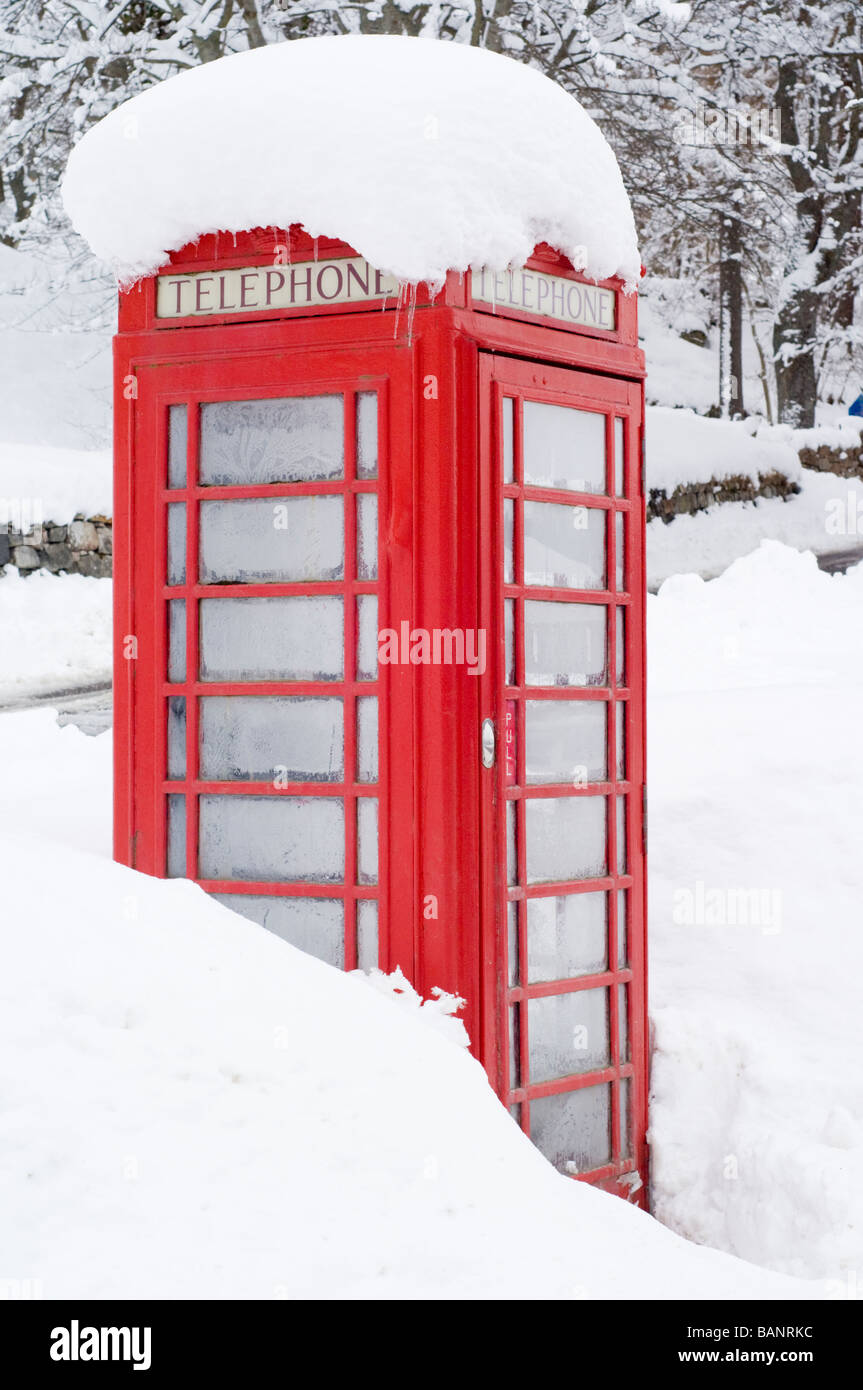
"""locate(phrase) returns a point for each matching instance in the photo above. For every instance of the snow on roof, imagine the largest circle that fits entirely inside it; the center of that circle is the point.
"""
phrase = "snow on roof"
(425, 156)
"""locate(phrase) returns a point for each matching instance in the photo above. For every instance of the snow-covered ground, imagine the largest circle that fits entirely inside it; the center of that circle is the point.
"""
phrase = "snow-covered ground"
(193, 1108)
(55, 633)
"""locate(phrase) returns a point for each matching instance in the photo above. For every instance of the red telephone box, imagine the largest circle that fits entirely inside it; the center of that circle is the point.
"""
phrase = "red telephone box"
(380, 642)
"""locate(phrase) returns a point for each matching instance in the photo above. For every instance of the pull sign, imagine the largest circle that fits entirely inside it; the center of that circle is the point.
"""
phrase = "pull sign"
(509, 746)
(488, 742)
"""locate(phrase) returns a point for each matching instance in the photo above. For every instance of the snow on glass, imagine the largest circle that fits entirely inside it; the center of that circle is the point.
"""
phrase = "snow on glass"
(458, 157)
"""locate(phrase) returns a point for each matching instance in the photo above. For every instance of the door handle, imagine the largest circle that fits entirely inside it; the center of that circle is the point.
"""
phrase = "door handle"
(488, 743)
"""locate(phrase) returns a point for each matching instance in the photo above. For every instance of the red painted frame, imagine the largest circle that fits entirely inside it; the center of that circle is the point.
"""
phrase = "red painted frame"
(438, 550)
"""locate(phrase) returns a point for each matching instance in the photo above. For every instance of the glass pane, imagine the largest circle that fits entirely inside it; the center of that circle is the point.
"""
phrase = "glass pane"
(264, 738)
(514, 1061)
(177, 446)
(620, 737)
(367, 434)
(564, 448)
(566, 741)
(367, 934)
(622, 928)
(511, 856)
(367, 839)
(512, 941)
(564, 547)
(313, 925)
(176, 738)
(247, 639)
(176, 542)
(573, 1130)
(566, 936)
(278, 839)
(620, 642)
(623, 1021)
(567, 1033)
(622, 857)
(261, 540)
(565, 838)
(367, 637)
(507, 441)
(176, 639)
(292, 440)
(367, 536)
(619, 553)
(367, 738)
(509, 639)
(625, 1120)
(508, 554)
(176, 862)
(565, 643)
(618, 456)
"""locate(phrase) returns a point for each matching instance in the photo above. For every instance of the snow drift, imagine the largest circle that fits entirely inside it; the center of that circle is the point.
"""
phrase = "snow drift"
(424, 156)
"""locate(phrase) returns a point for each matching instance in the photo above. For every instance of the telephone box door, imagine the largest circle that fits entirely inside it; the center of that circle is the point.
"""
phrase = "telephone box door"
(562, 803)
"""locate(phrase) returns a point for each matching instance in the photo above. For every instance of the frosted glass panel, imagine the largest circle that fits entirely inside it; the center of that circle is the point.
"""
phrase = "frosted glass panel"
(367, 839)
(618, 456)
(367, 434)
(176, 738)
(509, 639)
(566, 741)
(176, 542)
(512, 941)
(367, 536)
(511, 856)
(282, 539)
(620, 641)
(620, 737)
(622, 856)
(564, 547)
(176, 863)
(564, 448)
(573, 1130)
(177, 446)
(566, 936)
(507, 442)
(263, 738)
(622, 928)
(514, 1059)
(625, 1120)
(176, 639)
(367, 637)
(278, 839)
(291, 440)
(623, 1021)
(565, 838)
(313, 925)
(508, 553)
(367, 934)
(367, 738)
(567, 1034)
(272, 638)
(565, 644)
(620, 552)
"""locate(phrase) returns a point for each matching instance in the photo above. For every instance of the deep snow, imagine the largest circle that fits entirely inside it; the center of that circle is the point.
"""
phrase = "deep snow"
(487, 158)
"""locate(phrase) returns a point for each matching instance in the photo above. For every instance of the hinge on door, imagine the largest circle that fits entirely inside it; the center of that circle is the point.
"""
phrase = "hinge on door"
(644, 819)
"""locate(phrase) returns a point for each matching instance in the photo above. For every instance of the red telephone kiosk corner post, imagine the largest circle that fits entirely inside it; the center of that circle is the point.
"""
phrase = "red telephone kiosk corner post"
(380, 642)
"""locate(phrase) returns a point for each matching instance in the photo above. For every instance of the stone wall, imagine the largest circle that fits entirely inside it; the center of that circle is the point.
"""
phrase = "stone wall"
(82, 546)
(697, 497)
(847, 463)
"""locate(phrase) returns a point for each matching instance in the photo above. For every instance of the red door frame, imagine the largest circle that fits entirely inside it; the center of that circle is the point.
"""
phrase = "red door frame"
(616, 398)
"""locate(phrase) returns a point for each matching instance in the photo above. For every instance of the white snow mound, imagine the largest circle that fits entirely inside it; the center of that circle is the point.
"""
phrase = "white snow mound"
(425, 156)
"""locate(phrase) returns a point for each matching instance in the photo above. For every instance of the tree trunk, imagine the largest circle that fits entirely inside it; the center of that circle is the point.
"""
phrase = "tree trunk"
(794, 356)
(730, 318)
